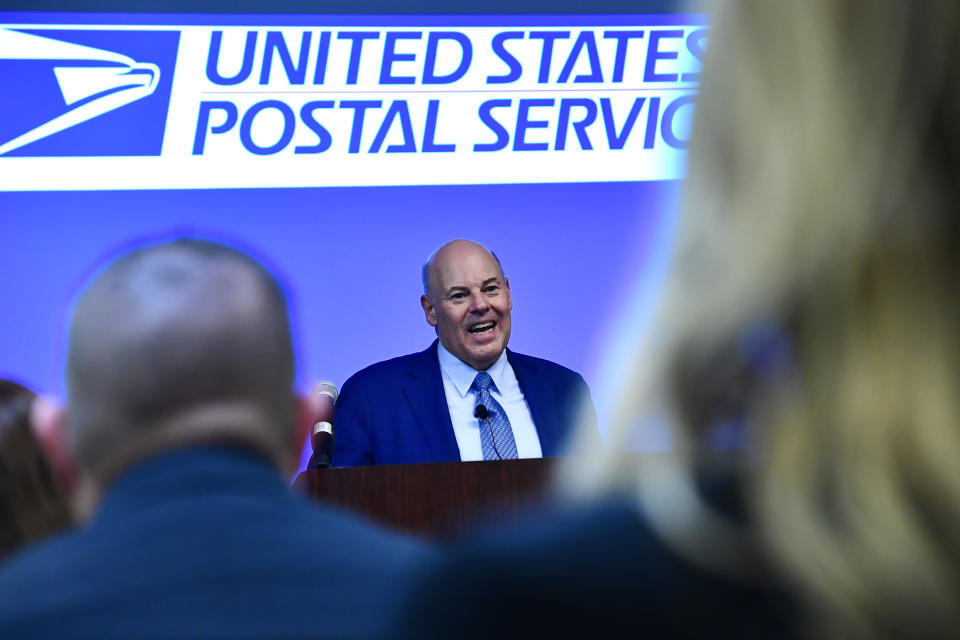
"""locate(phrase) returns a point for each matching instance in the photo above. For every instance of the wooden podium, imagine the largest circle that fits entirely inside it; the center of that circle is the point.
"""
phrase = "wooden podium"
(434, 500)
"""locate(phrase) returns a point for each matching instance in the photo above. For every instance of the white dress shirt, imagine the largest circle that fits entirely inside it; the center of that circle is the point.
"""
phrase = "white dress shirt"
(461, 400)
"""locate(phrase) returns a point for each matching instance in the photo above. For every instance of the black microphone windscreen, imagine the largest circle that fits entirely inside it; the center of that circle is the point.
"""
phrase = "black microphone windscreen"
(480, 411)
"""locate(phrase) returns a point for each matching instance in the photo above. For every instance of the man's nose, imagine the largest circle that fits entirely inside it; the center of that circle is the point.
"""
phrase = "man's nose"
(479, 302)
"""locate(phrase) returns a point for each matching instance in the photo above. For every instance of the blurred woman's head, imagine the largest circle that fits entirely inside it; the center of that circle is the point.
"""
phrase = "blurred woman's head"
(814, 294)
(32, 503)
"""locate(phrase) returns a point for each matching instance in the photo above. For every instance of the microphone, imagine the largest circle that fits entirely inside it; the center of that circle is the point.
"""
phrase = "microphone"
(481, 413)
(324, 396)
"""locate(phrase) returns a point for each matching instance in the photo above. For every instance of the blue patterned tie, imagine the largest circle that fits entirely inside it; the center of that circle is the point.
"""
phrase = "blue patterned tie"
(496, 436)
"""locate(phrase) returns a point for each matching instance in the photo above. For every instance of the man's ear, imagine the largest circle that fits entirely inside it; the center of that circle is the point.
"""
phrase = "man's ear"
(305, 415)
(506, 287)
(48, 422)
(429, 310)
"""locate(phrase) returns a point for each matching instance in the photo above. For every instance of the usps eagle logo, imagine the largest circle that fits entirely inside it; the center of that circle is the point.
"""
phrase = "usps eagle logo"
(71, 97)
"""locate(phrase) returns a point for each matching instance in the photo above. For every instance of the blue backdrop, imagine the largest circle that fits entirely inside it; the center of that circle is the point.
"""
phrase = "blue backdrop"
(577, 255)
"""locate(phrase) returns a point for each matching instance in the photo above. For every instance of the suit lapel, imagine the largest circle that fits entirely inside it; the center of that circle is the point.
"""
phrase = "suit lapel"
(423, 388)
(541, 398)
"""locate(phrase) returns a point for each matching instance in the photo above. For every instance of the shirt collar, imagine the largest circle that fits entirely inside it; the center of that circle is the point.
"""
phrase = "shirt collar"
(463, 374)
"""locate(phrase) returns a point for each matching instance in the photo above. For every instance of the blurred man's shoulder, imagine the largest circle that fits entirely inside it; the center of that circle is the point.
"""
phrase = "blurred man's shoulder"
(32, 579)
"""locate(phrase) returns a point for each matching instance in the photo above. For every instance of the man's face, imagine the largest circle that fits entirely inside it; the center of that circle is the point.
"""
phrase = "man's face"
(469, 303)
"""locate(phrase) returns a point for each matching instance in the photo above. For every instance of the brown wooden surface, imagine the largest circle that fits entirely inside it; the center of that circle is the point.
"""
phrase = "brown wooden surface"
(435, 500)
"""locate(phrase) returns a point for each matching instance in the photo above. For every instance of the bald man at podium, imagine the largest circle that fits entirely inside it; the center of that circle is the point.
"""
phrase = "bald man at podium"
(466, 397)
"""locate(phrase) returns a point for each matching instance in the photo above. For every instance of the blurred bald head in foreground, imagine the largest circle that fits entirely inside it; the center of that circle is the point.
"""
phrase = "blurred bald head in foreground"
(178, 343)
(181, 414)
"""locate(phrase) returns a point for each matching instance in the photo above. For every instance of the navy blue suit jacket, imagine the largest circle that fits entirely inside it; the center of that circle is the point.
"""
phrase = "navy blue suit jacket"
(207, 543)
(395, 412)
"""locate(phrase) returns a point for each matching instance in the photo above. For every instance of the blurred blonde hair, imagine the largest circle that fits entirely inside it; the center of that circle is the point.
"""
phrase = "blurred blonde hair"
(822, 193)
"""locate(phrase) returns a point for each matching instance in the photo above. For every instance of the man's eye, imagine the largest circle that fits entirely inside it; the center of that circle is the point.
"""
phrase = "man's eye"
(457, 296)
(492, 289)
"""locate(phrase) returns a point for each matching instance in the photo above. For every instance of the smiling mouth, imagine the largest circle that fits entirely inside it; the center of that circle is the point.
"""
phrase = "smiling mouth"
(481, 327)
